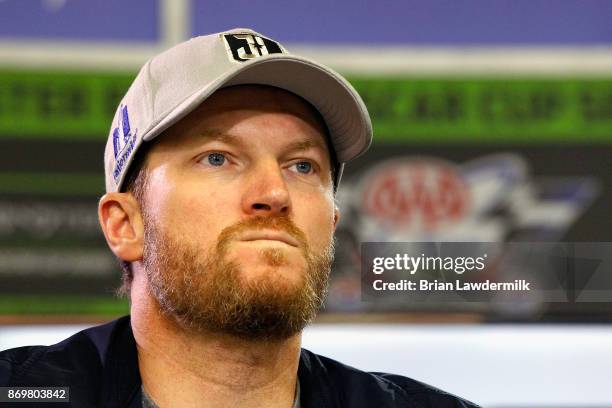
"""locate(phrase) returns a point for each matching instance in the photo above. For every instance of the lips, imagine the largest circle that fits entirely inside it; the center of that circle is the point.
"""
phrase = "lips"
(270, 235)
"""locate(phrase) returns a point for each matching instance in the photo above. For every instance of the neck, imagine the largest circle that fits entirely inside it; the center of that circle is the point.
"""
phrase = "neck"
(180, 367)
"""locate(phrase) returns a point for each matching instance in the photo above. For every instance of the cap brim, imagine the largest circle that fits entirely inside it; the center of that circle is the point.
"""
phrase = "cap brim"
(336, 100)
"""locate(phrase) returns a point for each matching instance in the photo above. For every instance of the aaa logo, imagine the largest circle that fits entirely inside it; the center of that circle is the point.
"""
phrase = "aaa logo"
(419, 193)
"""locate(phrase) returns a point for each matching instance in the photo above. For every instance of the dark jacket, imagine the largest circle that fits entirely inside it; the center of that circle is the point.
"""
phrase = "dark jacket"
(100, 365)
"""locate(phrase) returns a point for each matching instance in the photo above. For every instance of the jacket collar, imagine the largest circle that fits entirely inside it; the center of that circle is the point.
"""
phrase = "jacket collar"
(120, 374)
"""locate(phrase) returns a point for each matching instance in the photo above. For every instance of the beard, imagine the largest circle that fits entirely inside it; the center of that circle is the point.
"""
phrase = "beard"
(204, 291)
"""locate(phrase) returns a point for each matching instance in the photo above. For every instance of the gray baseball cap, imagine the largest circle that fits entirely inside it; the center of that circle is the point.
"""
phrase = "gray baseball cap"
(175, 82)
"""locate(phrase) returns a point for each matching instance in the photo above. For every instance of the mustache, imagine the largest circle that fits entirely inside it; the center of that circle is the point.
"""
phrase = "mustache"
(279, 223)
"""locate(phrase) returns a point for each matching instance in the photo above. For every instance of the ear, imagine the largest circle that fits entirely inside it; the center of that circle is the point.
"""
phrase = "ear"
(336, 216)
(121, 221)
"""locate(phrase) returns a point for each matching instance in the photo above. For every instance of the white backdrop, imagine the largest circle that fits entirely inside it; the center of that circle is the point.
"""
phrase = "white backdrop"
(494, 365)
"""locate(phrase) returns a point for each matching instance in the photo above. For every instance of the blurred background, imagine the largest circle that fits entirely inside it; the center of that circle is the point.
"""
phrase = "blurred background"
(492, 123)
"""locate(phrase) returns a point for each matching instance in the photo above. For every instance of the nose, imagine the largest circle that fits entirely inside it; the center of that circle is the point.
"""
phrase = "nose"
(266, 191)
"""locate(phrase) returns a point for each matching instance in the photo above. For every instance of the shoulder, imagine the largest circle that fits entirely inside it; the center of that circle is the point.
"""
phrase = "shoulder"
(360, 388)
(76, 360)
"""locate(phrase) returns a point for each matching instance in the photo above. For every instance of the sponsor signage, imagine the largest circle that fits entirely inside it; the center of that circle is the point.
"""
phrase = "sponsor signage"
(57, 105)
(492, 160)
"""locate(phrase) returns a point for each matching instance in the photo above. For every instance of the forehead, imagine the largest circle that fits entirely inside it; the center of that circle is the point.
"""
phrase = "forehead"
(254, 98)
(230, 104)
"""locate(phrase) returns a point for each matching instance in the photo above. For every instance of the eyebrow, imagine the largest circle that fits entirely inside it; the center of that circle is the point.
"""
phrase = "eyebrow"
(210, 135)
(305, 145)
(299, 146)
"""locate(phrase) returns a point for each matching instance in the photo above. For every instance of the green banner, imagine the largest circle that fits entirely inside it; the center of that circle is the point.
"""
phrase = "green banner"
(62, 305)
(62, 105)
(45, 183)
(59, 105)
(489, 110)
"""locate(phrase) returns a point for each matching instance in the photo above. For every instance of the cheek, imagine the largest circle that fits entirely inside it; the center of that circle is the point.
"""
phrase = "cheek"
(317, 220)
(187, 210)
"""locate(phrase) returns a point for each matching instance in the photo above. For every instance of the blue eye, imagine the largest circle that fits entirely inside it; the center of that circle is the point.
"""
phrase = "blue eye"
(216, 159)
(303, 167)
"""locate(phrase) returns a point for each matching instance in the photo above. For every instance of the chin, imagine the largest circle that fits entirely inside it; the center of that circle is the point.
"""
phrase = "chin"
(287, 274)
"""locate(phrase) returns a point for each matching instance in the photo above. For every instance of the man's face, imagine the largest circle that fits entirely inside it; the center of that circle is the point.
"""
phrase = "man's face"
(239, 215)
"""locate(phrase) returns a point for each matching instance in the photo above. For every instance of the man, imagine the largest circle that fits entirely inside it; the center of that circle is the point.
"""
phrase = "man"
(221, 169)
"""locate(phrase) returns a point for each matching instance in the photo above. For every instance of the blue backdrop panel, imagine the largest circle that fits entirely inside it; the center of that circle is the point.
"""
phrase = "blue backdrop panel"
(431, 22)
(108, 20)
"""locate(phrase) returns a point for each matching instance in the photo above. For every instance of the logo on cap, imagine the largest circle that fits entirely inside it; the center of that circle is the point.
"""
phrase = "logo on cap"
(124, 140)
(246, 46)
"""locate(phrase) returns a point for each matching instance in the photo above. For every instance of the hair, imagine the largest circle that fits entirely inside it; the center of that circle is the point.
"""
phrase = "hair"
(135, 183)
